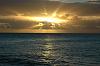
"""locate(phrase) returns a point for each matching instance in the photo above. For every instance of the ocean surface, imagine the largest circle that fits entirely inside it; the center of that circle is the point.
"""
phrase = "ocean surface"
(49, 49)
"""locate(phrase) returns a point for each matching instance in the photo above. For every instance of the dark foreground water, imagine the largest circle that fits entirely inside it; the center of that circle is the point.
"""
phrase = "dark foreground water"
(49, 49)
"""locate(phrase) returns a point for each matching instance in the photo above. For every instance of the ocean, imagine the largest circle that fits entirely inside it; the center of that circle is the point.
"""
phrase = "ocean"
(49, 49)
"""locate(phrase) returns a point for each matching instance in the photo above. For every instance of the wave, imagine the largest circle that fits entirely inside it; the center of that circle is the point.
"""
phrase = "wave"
(22, 60)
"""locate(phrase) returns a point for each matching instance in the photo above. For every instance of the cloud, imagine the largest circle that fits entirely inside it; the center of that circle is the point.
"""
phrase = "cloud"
(15, 22)
(69, 1)
(10, 25)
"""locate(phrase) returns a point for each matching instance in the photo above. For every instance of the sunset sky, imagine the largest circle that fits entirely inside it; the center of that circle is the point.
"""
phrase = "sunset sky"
(23, 16)
(70, 0)
(55, 0)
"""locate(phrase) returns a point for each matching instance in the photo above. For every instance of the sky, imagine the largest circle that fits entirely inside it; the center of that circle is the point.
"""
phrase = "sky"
(49, 0)
(9, 9)
(71, 0)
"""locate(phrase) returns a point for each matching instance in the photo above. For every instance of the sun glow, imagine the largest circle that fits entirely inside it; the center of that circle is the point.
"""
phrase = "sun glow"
(48, 19)
(45, 20)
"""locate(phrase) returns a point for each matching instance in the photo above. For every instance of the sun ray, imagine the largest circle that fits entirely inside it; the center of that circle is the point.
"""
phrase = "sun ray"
(54, 14)
(45, 12)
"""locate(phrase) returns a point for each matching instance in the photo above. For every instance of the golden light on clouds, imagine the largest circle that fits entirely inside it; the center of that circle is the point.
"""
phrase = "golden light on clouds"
(49, 21)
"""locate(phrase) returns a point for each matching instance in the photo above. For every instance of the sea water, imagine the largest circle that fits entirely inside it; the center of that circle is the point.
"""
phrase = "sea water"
(49, 49)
